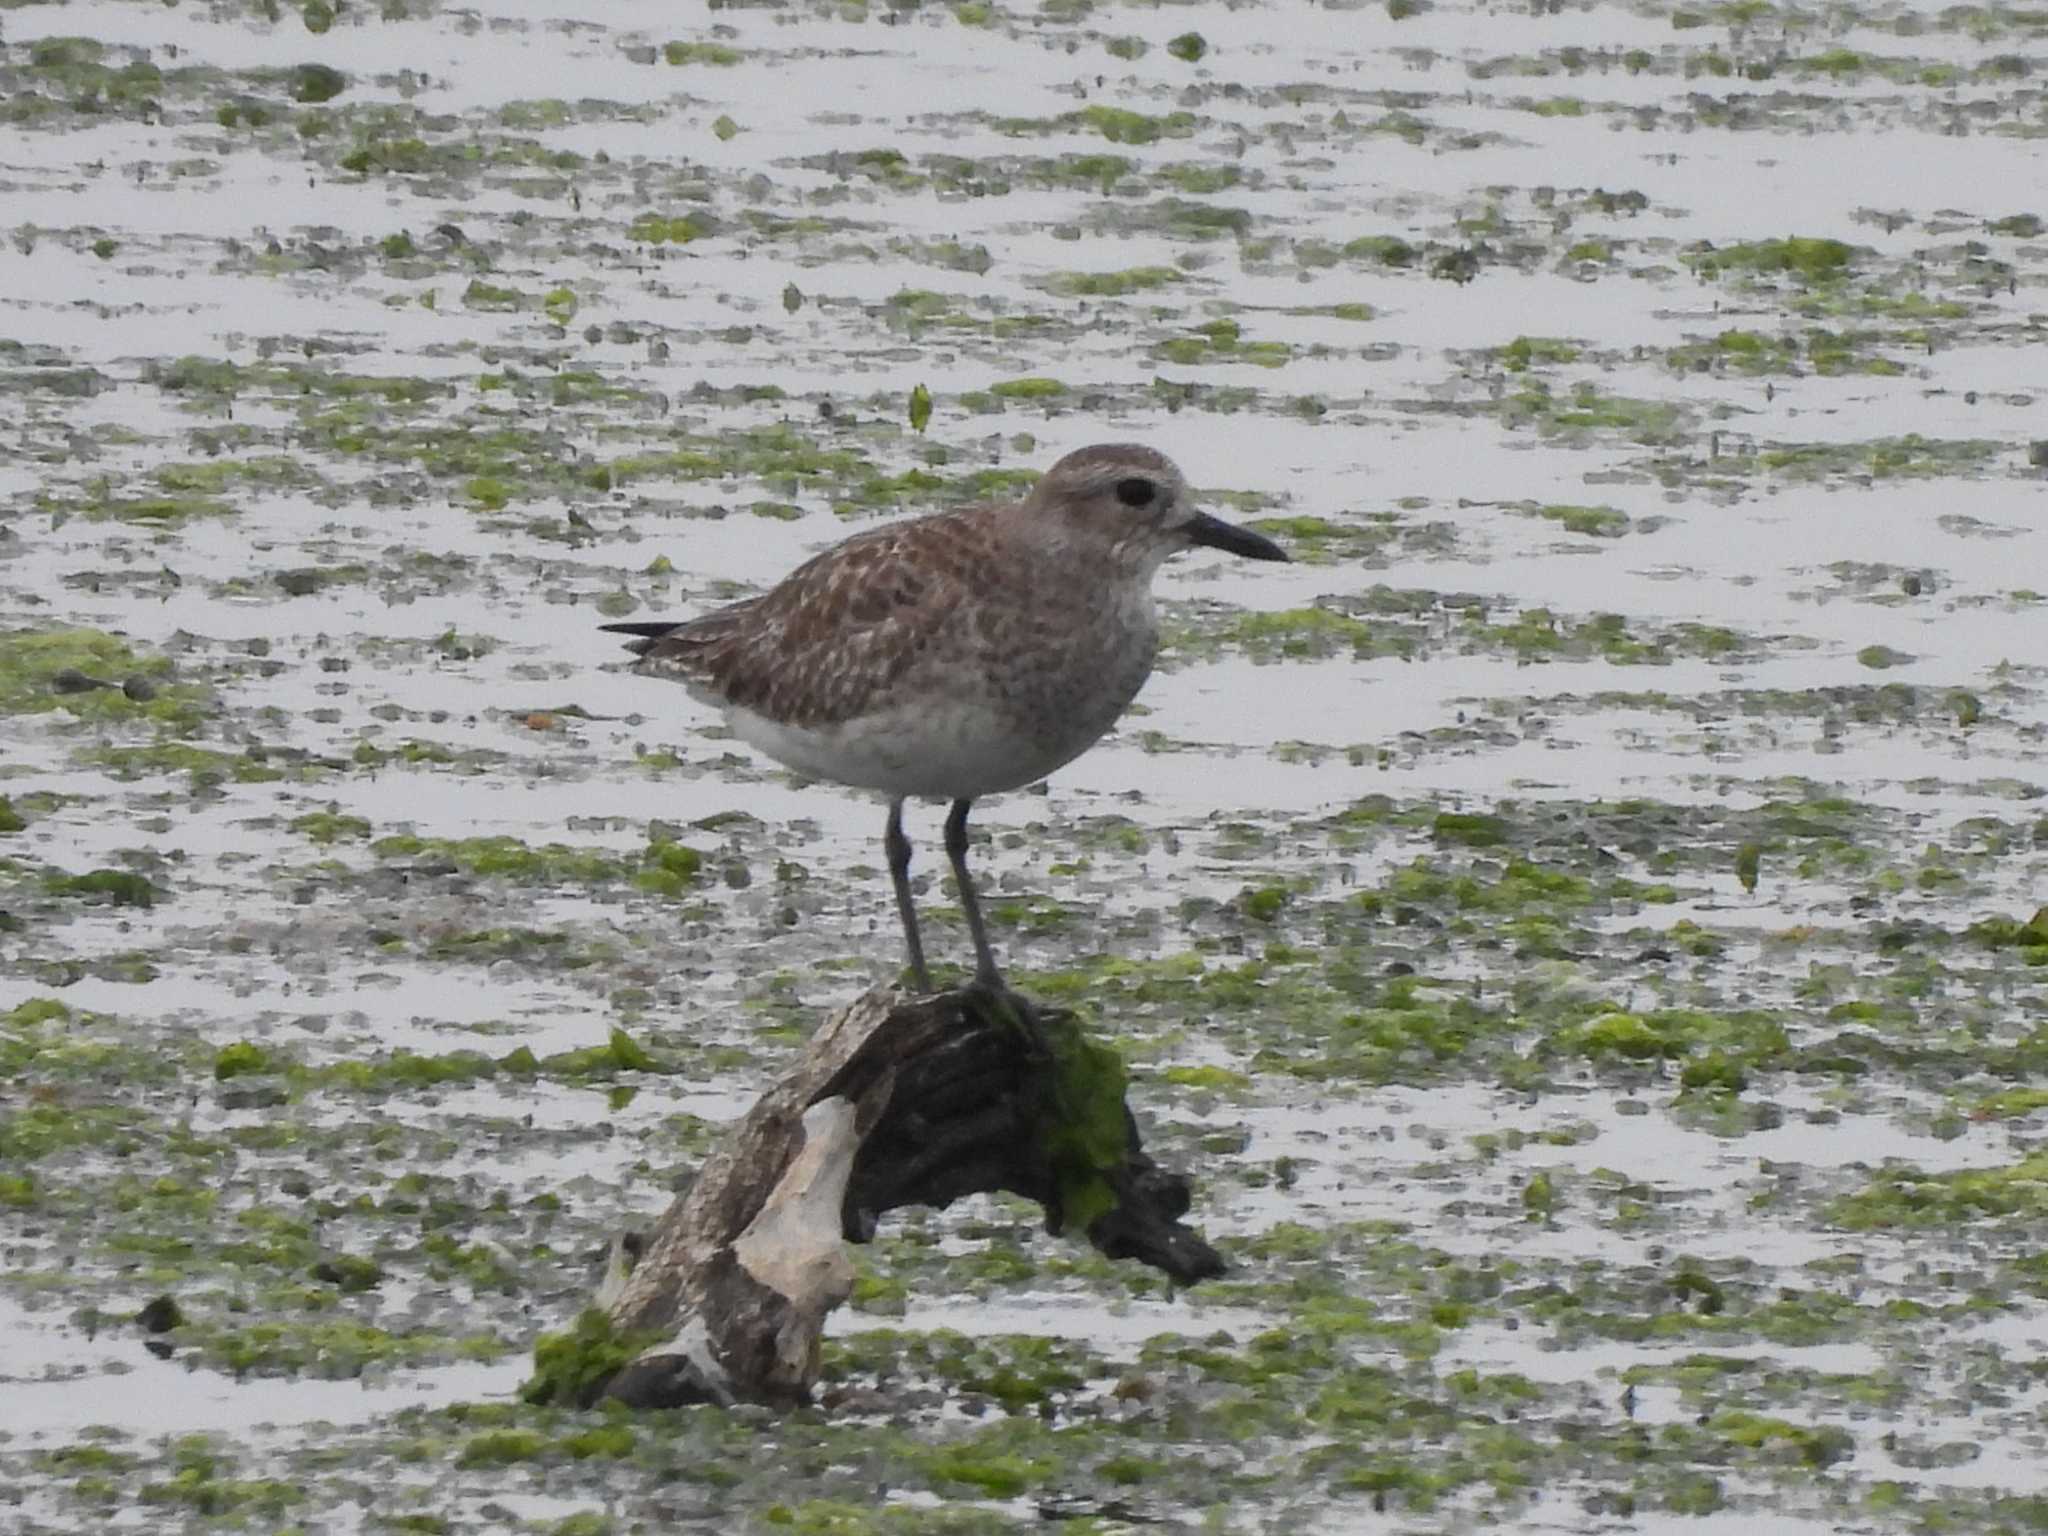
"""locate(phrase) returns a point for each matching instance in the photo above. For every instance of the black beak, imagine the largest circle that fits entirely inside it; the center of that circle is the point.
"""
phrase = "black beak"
(1217, 534)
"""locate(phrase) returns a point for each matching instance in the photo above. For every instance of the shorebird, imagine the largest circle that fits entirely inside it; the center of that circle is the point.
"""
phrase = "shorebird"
(955, 655)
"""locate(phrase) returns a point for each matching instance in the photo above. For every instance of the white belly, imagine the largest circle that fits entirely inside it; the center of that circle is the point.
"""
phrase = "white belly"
(949, 749)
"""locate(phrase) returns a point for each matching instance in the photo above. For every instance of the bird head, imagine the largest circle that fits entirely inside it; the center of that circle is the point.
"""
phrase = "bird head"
(1135, 500)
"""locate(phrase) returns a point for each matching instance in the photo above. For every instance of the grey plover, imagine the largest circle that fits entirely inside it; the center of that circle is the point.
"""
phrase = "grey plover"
(955, 655)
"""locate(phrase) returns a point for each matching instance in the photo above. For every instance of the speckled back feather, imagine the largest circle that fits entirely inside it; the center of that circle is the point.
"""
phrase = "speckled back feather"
(821, 646)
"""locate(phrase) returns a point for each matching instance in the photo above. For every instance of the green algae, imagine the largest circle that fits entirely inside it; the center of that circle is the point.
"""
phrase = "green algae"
(1385, 250)
(502, 1447)
(337, 1348)
(402, 1070)
(2010, 933)
(111, 887)
(150, 511)
(664, 867)
(1115, 285)
(1322, 540)
(662, 229)
(1910, 1198)
(1291, 634)
(1538, 633)
(82, 76)
(1200, 179)
(1119, 125)
(93, 676)
(1218, 1080)
(573, 1367)
(42, 1040)
(1219, 341)
(1595, 522)
(326, 828)
(1469, 829)
(1020, 1373)
(1028, 389)
(1728, 1041)
(205, 766)
(1083, 1130)
(1908, 457)
(1749, 864)
(199, 1482)
(1885, 971)
(1185, 218)
(316, 83)
(1803, 257)
(502, 857)
(679, 53)
(1525, 352)
(1588, 409)
(1812, 1445)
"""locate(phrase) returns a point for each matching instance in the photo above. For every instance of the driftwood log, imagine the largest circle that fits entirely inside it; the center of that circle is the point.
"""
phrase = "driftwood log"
(897, 1101)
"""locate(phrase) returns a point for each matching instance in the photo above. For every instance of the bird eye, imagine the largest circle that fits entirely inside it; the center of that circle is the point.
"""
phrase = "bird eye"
(1136, 492)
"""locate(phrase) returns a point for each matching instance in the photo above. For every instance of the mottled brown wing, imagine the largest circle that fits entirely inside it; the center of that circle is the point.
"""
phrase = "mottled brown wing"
(821, 647)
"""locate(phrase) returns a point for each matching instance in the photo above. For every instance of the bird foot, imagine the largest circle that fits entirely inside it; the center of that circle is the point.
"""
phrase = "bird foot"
(1000, 1001)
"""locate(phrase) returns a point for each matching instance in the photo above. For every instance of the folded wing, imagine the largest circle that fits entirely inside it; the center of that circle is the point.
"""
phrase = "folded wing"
(817, 649)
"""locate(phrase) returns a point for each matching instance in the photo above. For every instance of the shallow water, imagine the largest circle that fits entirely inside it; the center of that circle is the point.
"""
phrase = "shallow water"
(1573, 923)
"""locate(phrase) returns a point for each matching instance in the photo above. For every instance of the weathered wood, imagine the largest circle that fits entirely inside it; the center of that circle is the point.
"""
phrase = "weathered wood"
(898, 1101)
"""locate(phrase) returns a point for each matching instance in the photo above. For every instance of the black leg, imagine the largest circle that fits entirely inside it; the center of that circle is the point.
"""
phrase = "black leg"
(956, 849)
(897, 847)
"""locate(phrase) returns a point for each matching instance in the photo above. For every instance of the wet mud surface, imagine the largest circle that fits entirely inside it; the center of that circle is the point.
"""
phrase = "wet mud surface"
(1581, 921)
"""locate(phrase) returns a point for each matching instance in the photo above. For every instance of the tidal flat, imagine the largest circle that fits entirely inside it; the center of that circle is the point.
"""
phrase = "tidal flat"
(1581, 924)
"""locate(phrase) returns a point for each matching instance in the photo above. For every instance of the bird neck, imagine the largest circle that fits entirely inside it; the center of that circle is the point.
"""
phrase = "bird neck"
(1062, 551)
